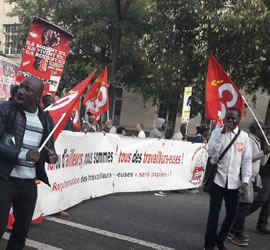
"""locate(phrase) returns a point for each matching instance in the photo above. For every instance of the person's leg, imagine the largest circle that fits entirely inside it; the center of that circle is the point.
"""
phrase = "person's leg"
(216, 197)
(6, 193)
(23, 208)
(231, 204)
(239, 223)
(262, 196)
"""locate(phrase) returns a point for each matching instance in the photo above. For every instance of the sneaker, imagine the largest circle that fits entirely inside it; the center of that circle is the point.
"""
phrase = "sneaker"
(160, 193)
(240, 240)
(230, 236)
(263, 230)
(193, 191)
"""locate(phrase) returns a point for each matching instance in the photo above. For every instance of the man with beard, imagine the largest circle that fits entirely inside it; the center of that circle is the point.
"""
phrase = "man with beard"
(24, 126)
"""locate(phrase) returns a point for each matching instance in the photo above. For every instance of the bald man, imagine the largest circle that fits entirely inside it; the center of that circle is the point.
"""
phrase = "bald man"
(23, 128)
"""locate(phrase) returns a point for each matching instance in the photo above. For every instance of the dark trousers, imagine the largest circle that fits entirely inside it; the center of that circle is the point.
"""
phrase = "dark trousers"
(239, 224)
(22, 195)
(262, 200)
(217, 194)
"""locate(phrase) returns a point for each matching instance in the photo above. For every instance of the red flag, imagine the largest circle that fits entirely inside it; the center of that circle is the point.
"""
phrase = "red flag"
(220, 93)
(96, 98)
(66, 104)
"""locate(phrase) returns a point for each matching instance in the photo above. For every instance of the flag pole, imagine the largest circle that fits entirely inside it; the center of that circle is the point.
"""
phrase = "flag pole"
(108, 117)
(49, 136)
(259, 125)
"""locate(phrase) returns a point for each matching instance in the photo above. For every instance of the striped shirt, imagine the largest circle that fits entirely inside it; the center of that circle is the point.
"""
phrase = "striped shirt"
(32, 138)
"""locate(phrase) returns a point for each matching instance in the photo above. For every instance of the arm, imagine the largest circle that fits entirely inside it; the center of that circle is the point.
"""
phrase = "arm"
(214, 144)
(246, 162)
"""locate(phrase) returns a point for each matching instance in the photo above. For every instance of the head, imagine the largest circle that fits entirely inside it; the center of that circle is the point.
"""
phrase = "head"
(255, 130)
(29, 93)
(47, 100)
(204, 130)
(139, 127)
(109, 124)
(14, 91)
(92, 117)
(72, 114)
(233, 117)
(183, 128)
(121, 131)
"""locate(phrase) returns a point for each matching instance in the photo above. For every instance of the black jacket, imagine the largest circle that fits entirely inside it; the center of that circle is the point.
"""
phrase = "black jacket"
(8, 154)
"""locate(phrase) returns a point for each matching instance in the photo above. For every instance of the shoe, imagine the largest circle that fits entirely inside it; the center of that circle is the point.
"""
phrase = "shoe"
(160, 193)
(263, 230)
(193, 191)
(209, 248)
(230, 236)
(64, 214)
(240, 240)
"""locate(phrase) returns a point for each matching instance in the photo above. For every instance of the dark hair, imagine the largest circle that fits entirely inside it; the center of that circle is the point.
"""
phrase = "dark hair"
(235, 109)
(141, 125)
(119, 130)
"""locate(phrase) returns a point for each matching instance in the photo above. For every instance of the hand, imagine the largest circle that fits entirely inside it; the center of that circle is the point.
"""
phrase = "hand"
(226, 128)
(266, 149)
(243, 188)
(33, 155)
(52, 155)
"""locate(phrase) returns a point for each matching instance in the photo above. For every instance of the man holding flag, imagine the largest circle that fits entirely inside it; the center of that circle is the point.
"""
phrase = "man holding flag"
(224, 104)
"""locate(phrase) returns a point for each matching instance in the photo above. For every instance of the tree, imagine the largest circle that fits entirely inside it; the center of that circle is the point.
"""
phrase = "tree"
(184, 32)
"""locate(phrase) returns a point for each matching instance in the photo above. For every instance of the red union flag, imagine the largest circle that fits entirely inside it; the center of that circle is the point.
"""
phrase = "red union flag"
(66, 104)
(220, 93)
(96, 98)
(76, 121)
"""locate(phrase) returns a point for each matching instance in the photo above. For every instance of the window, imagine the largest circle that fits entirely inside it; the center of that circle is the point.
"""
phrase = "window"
(169, 115)
(10, 31)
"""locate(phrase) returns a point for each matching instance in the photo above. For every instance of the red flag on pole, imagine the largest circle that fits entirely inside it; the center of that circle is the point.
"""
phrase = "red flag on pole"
(66, 104)
(220, 93)
(96, 98)
(76, 121)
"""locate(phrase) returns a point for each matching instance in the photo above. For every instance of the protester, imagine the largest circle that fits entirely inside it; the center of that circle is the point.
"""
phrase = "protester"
(70, 122)
(227, 182)
(121, 131)
(262, 200)
(47, 100)
(202, 133)
(140, 130)
(182, 134)
(109, 128)
(160, 130)
(259, 157)
(91, 125)
(21, 162)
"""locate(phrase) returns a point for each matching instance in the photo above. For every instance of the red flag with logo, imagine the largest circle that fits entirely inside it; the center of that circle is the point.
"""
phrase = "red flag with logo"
(96, 98)
(220, 93)
(66, 104)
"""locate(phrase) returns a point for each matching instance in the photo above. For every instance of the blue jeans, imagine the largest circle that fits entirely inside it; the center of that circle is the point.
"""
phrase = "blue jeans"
(217, 194)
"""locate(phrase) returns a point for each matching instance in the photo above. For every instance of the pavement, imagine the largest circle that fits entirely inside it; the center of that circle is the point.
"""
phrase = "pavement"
(131, 221)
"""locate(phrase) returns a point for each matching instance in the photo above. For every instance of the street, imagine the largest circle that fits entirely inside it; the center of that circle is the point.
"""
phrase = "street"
(134, 221)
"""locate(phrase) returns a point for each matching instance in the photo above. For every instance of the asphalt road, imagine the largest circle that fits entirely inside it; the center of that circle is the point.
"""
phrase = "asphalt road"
(176, 221)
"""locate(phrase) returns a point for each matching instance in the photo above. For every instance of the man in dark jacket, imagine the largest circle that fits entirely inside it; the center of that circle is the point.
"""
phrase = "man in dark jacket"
(23, 128)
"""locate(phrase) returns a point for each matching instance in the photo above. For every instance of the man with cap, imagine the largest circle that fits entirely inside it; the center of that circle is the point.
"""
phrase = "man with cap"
(259, 157)
(91, 125)
(201, 136)
(47, 100)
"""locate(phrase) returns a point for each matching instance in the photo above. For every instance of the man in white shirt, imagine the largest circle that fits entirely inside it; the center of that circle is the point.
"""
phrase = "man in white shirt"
(229, 180)
(182, 134)
(140, 130)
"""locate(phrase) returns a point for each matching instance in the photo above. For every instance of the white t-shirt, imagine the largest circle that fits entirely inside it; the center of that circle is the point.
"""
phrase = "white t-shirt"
(141, 134)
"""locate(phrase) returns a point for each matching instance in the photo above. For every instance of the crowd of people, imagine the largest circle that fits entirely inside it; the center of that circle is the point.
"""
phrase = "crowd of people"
(242, 177)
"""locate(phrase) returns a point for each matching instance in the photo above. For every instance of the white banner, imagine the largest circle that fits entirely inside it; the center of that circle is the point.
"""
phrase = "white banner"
(91, 165)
